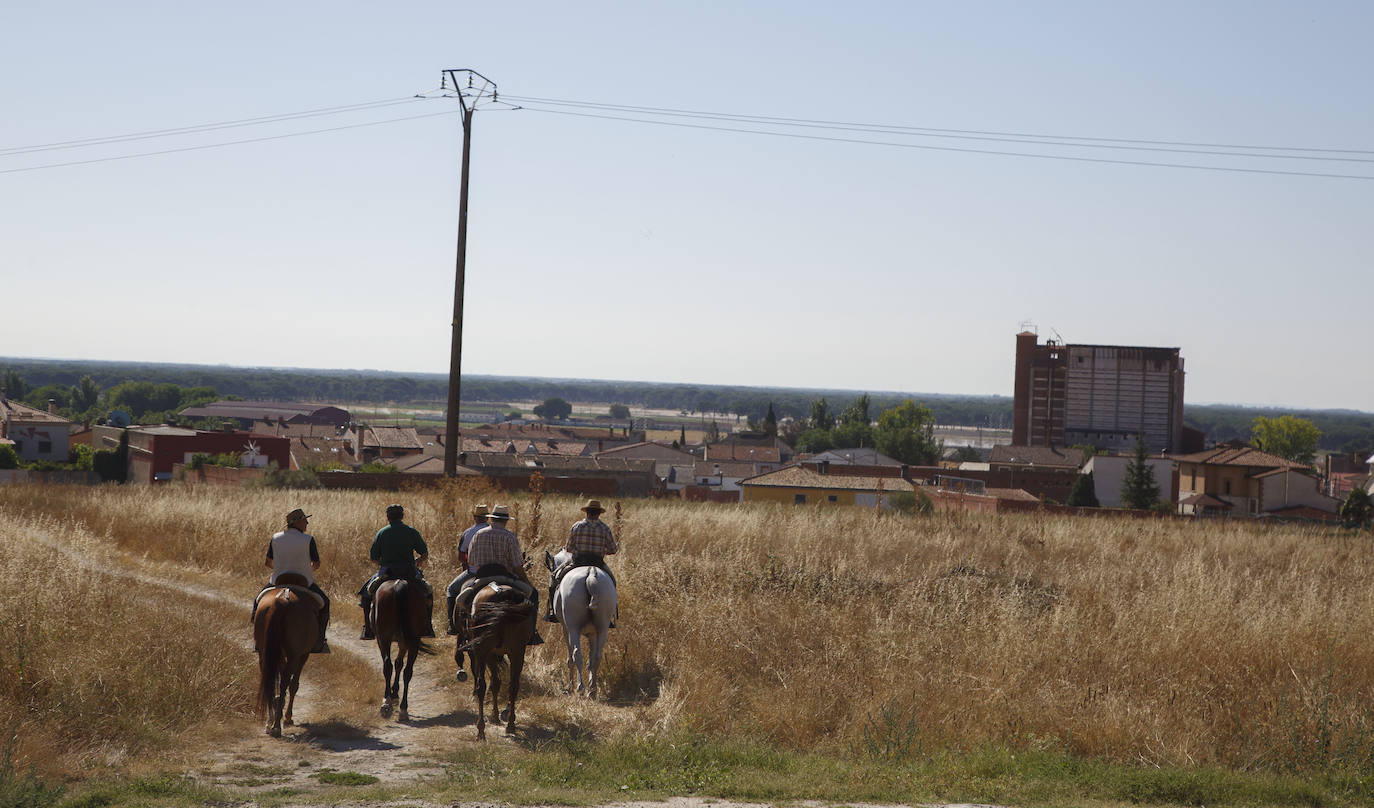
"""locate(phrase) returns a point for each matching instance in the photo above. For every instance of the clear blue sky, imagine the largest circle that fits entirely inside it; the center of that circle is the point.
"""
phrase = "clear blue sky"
(618, 250)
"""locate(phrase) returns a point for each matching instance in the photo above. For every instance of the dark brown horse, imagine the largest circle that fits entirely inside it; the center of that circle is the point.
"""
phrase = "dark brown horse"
(284, 631)
(399, 615)
(502, 622)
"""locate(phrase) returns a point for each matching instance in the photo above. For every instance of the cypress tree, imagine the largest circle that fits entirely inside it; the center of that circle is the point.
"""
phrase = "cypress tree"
(1084, 493)
(1139, 489)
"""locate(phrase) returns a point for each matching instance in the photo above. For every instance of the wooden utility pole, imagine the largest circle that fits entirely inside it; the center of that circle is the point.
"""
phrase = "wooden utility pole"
(469, 87)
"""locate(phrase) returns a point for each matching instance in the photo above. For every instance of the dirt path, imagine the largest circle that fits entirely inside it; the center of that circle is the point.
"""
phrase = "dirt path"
(344, 737)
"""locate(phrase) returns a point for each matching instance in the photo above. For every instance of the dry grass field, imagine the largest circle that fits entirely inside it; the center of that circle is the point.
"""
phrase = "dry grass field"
(841, 630)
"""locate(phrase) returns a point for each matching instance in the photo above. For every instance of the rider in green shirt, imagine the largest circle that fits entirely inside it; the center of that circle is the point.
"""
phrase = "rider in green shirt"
(394, 551)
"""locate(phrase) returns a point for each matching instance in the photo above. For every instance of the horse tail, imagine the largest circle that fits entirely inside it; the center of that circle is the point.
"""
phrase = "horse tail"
(270, 655)
(494, 614)
(592, 582)
(401, 592)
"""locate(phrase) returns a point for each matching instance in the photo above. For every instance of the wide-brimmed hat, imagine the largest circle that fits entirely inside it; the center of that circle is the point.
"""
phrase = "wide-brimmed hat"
(296, 515)
(593, 505)
(479, 510)
(500, 513)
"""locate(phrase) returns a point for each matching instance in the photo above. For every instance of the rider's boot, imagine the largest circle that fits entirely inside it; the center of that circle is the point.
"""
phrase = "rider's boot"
(535, 639)
(367, 634)
(321, 644)
(549, 616)
(452, 629)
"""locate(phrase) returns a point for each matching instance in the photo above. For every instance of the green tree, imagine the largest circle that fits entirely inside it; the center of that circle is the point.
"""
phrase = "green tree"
(1287, 436)
(8, 458)
(59, 394)
(1356, 509)
(770, 422)
(713, 432)
(14, 386)
(620, 411)
(553, 409)
(815, 441)
(85, 395)
(82, 457)
(821, 416)
(1084, 493)
(852, 435)
(907, 433)
(1139, 489)
(857, 412)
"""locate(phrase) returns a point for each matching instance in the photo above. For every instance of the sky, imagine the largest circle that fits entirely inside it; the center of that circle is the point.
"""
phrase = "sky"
(715, 247)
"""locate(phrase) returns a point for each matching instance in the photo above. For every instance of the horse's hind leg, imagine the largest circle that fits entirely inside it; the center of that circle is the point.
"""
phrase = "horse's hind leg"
(595, 645)
(479, 692)
(296, 669)
(405, 689)
(386, 682)
(517, 665)
(494, 674)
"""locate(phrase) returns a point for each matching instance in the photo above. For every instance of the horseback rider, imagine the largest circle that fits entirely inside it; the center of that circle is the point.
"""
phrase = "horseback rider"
(394, 551)
(293, 551)
(479, 517)
(495, 551)
(589, 542)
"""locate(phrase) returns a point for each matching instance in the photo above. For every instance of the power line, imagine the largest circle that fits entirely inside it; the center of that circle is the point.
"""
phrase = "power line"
(226, 143)
(206, 127)
(928, 147)
(918, 129)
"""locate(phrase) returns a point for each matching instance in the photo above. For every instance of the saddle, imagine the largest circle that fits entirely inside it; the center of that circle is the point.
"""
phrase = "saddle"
(300, 591)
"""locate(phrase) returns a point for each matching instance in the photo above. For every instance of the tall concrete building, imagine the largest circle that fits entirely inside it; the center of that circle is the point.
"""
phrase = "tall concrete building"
(1101, 395)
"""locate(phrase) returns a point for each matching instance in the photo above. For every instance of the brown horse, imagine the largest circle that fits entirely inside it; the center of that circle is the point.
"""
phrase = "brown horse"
(284, 631)
(399, 615)
(501, 626)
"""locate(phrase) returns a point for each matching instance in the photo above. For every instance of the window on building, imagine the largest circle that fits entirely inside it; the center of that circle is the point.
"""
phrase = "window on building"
(799, 499)
(19, 447)
(1226, 486)
(45, 447)
(833, 498)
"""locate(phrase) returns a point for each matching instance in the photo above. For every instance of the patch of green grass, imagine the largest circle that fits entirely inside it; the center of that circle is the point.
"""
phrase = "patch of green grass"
(166, 790)
(337, 778)
(572, 770)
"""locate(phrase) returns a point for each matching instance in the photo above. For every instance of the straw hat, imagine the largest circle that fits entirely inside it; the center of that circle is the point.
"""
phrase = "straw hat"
(296, 515)
(479, 511)
(499, 513)
(593, 505)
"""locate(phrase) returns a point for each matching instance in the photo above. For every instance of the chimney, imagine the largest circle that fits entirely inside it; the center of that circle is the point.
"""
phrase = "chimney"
(823, 467)
(52, 406)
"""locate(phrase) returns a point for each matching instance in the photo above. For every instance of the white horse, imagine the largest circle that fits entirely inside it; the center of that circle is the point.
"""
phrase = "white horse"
(584, 603)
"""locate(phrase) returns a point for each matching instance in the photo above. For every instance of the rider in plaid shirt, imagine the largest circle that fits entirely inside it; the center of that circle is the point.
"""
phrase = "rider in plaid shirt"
(496, 551)
(589, 541)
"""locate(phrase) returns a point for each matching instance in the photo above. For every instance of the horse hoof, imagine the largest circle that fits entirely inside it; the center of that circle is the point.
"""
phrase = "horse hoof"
(462, 675)
(275, 732)
(386, 711)
(505, 715)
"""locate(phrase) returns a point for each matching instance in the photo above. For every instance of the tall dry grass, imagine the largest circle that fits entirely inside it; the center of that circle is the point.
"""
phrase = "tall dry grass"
(1158, 642)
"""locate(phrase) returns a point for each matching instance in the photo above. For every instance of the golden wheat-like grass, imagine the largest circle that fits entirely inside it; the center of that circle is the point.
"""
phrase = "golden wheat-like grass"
(1164, 641)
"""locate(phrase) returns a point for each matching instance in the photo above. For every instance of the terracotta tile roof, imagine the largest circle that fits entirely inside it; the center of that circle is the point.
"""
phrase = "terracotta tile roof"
(654, 449)
(391, 437)
(285, 430)
(743, 452)
(803, 477)
(1037, 456)
(14, 411)
(1237, 456)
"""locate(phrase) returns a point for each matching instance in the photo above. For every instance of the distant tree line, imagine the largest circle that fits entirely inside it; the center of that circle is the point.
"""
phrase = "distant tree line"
(64, 381)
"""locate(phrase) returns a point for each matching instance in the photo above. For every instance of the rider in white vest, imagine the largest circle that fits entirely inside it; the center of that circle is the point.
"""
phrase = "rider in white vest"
(294, 551)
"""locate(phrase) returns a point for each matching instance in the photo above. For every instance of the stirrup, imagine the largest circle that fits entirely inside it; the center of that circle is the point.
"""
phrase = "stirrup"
(550, 617)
